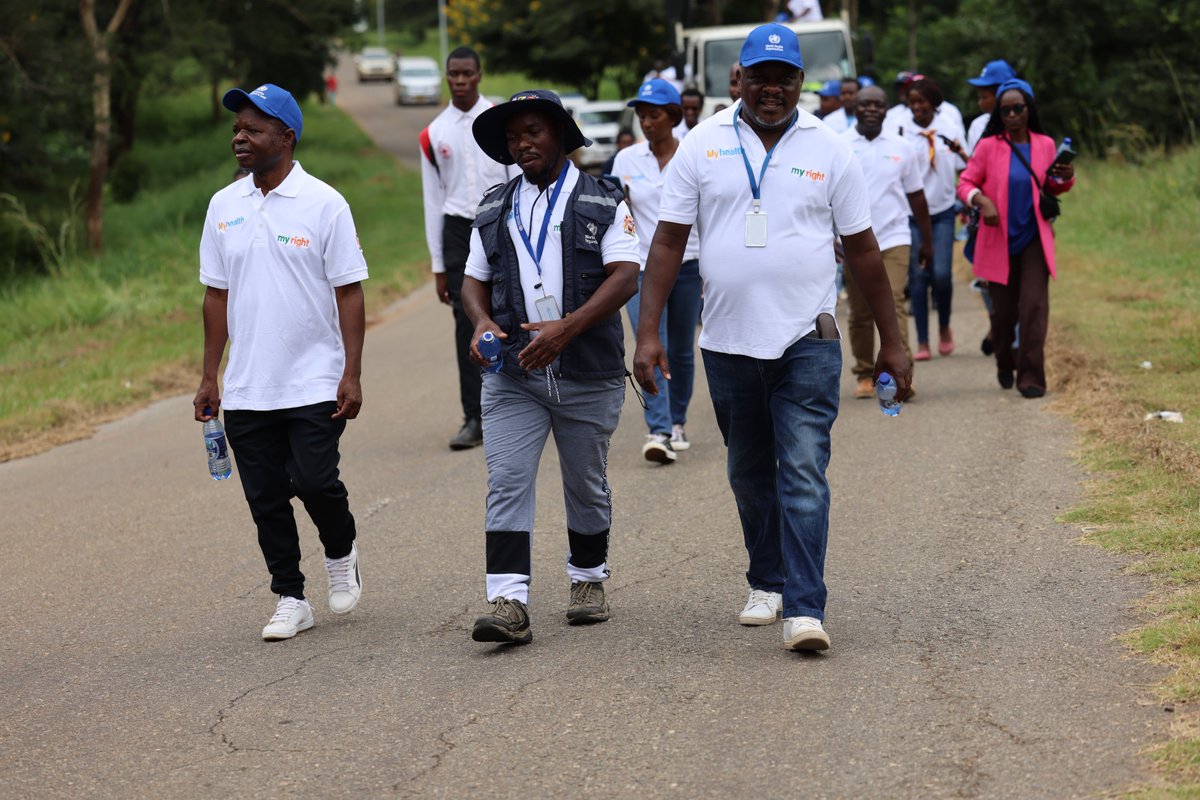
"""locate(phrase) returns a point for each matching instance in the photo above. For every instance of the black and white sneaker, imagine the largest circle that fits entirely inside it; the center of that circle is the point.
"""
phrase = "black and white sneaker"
(345, 582)
(658, 448)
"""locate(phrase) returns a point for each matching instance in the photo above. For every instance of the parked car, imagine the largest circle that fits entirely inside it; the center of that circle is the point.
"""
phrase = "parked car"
(418, 80)
(600, 120)
(374, 63)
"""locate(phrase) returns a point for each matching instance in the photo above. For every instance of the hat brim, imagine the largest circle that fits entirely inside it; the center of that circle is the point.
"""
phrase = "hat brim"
(765, 59)
(492, 138)
(984, 81)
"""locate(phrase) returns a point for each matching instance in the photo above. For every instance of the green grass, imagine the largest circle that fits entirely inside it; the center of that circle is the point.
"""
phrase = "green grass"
(1129, 293)
(124, 328)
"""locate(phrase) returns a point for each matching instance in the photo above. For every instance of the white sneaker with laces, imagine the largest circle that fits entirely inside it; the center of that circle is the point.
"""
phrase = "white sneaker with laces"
(804, 633)
(345, 582)
(291, 616)
(658, 448)
(679, 440)
(762, 608)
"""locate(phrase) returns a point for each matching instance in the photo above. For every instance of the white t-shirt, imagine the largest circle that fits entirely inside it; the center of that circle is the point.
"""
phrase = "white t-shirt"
(281, 256)
(463, 174)
(976, 132)
(890, 167)
(638, 170)
(900, 116)
(760, 300)
(941, 179)
(839, 120)
(620, 242)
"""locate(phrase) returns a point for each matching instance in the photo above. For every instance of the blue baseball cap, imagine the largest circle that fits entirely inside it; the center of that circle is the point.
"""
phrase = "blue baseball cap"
(1014, 83)
(771, 42)
(830, 89)
(272, 101)
(657, 92)
(865, 80)
(993, 73)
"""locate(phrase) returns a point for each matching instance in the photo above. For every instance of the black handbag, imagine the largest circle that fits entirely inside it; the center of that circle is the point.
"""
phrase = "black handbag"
(1048, 204)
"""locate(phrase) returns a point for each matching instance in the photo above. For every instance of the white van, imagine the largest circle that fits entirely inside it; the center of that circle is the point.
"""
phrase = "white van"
(825, 47)
(418, 80)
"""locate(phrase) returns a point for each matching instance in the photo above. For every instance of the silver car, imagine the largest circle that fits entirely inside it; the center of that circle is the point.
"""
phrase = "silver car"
(374, 63)
(418, 80)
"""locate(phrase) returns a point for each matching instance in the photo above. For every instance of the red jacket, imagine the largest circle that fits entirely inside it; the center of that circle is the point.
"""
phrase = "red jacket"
(988, 171)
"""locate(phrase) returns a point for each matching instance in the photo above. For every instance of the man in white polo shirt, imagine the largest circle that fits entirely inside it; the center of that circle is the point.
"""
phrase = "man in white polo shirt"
(283, 269)
(767, 186)
(892, 172)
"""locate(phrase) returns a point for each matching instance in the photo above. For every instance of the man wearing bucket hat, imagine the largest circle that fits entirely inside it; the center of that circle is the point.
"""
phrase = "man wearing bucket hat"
(553, 258)
(768, 186)
(641, 169)
(992, 75)
(283, 269)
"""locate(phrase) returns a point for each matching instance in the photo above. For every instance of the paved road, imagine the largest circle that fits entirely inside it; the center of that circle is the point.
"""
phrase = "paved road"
(395, 128)
(973, 637)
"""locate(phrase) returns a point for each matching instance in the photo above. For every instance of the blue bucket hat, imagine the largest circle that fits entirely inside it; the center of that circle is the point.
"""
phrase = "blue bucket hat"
(771, 42)
(830, 89)
(993, 73)
(1014, 83)
(657, 92)
(492, 138)
(272, 101)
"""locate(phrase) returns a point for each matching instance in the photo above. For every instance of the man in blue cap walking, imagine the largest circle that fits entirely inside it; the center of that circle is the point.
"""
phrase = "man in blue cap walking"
(767, 187)
(283, 269)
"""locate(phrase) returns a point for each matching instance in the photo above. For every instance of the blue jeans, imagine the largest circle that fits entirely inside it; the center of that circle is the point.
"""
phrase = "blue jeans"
(939, 274)
(683, 314)
(658, 406)
(776, 416)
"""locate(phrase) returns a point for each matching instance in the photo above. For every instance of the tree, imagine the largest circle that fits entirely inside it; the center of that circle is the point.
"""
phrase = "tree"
(100, 41)
(574, 43)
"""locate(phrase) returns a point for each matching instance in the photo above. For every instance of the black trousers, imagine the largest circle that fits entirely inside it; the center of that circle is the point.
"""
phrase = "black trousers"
(292, 452)
(456, 246)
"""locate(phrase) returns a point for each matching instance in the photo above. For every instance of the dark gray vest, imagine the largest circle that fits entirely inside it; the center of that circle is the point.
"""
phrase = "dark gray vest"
(598, 352)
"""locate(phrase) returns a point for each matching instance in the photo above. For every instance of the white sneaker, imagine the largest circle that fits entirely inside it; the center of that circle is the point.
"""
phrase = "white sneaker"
(291, 617)
(658, 448)
(345, 582)
(679, 440)
(804, 633)
(762, 608)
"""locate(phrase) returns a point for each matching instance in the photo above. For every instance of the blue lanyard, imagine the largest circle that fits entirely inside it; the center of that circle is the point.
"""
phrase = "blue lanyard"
(537, 257)
(756, 186)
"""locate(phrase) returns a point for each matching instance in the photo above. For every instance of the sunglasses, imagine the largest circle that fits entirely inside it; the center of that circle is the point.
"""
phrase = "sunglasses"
(1015, 110)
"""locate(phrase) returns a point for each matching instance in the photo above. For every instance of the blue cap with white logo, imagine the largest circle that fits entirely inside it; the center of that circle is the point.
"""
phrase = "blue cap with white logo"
(1015, 83)
(771, 42)
(830, 89)
(656, 92)
(994, 73)
(272, 101)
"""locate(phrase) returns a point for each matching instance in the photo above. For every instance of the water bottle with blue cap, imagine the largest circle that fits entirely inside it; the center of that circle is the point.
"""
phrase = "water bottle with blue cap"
(885, 390)
(490, 348)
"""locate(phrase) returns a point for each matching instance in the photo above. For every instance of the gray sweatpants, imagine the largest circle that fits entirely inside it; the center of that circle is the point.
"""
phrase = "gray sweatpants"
(518, 415)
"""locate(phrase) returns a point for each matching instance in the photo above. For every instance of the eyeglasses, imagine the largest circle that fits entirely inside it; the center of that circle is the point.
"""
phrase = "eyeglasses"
(1015, 110)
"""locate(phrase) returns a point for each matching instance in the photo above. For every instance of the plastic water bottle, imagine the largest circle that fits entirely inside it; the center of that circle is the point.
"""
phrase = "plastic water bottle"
(219, 465)
(490, 348)
(885, 390)
(1065, 153)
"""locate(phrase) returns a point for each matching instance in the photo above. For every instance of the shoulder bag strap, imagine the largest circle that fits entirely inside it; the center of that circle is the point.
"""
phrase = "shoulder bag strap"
(1024, 161)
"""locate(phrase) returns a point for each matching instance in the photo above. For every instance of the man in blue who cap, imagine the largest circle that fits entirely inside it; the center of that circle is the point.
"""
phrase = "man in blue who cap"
(553, 257)
(992, 75)
(768, 186)
(280, 258)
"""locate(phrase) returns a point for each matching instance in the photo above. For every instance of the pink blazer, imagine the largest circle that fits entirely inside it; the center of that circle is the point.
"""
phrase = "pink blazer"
(988, 171)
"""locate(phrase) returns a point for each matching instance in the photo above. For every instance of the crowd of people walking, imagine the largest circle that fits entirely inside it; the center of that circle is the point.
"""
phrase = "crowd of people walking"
(735, 224)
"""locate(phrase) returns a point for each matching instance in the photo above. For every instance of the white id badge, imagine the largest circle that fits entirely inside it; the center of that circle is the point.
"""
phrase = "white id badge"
(756, 229)
(547, 308)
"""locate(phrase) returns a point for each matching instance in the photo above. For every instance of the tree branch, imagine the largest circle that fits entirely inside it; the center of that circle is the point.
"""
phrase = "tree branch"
(119, 18)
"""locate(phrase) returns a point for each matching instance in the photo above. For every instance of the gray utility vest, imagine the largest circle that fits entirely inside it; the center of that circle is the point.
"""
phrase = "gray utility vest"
(599, 351)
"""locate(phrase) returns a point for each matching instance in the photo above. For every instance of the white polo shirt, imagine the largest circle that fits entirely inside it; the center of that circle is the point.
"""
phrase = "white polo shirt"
(839, 120)
(891, 169)
(638, 170)
(939, 170)
(463, 174)
(975, 132)
(760, 300)
(280, 257)
(620, 242)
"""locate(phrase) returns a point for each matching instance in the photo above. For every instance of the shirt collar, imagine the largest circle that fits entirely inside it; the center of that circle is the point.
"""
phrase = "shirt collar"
(481, 105)
(290, 187)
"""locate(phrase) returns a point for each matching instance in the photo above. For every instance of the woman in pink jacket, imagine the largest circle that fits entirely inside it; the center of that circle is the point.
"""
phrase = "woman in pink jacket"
(1014, 249)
